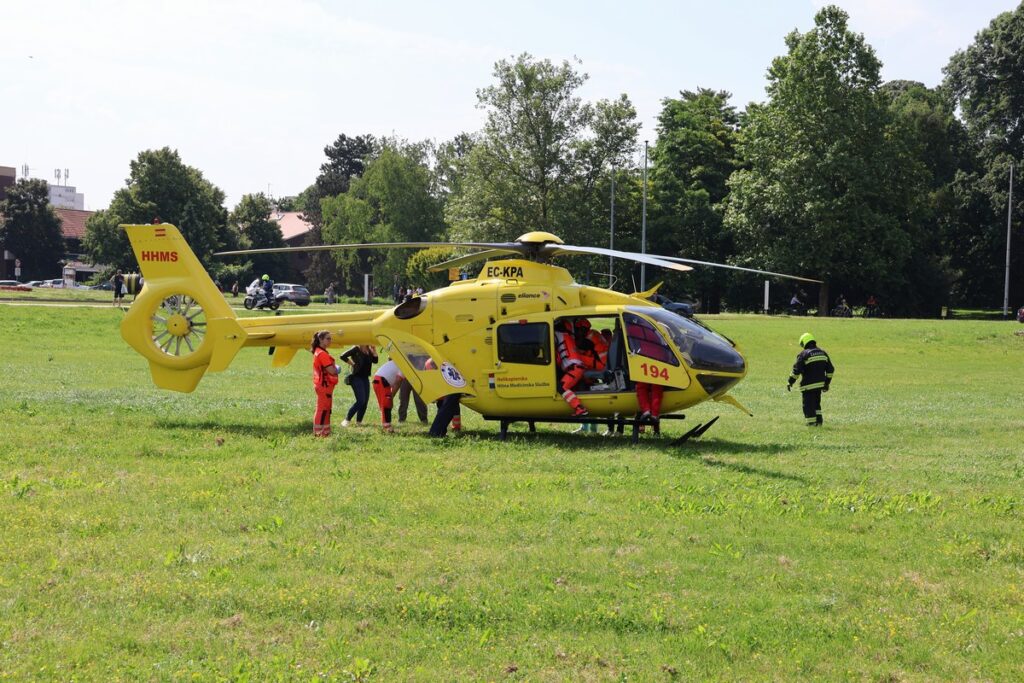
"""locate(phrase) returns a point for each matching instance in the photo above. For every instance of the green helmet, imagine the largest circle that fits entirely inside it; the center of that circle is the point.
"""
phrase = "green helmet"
(266, 277)
(805, 339)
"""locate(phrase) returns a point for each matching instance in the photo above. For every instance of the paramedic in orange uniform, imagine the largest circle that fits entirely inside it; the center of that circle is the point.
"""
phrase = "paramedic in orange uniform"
(325, 378)
(571, 364)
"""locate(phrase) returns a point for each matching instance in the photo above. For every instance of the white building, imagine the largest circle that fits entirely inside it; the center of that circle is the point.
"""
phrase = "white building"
(65, 197)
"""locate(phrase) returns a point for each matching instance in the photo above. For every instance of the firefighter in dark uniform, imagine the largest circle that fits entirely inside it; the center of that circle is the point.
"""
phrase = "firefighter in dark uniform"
(815, 370)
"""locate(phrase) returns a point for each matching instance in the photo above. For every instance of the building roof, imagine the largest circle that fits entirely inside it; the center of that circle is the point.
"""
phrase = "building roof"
(72, 222)
(291, 223)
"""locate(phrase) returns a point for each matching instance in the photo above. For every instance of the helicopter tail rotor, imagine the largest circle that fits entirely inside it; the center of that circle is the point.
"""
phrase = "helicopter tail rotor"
(180, 322)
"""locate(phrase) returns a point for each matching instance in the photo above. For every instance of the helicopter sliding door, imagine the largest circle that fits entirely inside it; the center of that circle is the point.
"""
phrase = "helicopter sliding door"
(429, 372)
(649, 355)
(523, 359)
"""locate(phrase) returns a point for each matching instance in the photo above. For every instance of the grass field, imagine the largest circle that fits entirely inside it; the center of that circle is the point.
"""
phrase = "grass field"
(151, 535)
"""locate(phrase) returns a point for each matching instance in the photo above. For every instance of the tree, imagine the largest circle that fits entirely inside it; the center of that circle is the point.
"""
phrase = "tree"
(391, 202)
(252, 219)
(537, 163)
(346, 159)
(161, 187)
(30, 229)
(832, 185)
(693, 159)
(985, 83)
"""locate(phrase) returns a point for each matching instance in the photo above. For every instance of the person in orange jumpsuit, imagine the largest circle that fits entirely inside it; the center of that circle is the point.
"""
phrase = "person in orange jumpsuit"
(592, 345)
(325, 378)
(571, 363)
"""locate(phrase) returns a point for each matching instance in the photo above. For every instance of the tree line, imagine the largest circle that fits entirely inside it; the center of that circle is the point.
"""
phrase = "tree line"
(889, 189)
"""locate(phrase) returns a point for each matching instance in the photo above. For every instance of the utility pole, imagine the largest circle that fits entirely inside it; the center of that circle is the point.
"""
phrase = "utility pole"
(1009, 221)
(643, 227)
(611, 239)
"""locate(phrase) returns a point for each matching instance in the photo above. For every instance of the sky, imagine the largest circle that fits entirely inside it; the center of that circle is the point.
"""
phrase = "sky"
(251, 91)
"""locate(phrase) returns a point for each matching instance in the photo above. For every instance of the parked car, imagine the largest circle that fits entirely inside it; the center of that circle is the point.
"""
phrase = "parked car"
(686, 308)
(34, 283)
(103, 285)
(14, 285)
(297, 294)
(56, 282)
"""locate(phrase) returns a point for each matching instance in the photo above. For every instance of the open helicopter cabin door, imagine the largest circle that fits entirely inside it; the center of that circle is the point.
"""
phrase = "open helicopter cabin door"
(523, 358)
(430, 373)
(649, 354)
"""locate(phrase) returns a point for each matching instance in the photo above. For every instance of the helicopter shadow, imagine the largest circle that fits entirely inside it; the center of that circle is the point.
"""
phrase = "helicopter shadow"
(707, 452)
(255, 429)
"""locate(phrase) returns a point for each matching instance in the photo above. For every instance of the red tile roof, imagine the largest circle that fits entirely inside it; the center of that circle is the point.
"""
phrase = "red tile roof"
(72, 222)
(291, 223)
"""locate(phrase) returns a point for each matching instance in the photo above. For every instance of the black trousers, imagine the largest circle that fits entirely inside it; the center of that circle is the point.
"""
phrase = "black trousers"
(447, 408)
(812, 406)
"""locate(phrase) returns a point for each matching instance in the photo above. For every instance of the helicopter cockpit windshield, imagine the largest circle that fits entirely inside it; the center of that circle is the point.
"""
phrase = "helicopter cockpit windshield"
(702, 348)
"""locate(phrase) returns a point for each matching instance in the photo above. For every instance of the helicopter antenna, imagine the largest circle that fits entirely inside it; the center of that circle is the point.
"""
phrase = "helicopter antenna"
(611, 278)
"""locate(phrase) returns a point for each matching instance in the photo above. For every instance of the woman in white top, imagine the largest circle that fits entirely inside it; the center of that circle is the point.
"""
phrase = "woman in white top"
(385, 380)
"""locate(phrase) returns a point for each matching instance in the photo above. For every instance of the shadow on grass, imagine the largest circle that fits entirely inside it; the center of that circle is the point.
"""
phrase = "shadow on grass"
(740, 468)
(255, 429)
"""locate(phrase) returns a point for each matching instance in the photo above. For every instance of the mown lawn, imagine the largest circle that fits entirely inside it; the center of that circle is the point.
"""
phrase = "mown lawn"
(145, 534)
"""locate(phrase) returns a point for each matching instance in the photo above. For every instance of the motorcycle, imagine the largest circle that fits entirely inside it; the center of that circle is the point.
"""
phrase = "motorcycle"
(255, 298)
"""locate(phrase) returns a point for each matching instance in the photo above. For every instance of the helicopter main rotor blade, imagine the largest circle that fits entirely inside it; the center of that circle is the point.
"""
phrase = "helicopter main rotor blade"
(512, 247)
(748, 270)
(552, 250)
(470, 258)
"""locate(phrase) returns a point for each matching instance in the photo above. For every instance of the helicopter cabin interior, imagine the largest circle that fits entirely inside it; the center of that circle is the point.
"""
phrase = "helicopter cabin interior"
(532, 343)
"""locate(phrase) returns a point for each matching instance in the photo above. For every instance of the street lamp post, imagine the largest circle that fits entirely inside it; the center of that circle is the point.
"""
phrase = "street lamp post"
(1009, 221)
(611, 239)
(643, 227)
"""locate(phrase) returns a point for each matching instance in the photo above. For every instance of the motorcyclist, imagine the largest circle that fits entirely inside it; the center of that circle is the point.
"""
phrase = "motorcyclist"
(268, 288)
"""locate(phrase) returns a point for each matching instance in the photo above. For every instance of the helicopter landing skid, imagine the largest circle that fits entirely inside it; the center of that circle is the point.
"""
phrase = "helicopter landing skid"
(616, 424)
(695, 433)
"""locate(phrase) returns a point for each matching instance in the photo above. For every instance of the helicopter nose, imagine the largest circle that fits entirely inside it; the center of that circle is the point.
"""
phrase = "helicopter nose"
(715, 354)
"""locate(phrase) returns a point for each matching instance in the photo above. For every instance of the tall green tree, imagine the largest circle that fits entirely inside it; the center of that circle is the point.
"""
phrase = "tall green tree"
(393, 201)
(30, 229)
(831, 188)
(695, 154)
(541, 155)
(346, 159)
(986, 82)
(160, 187)
(925, 118)
(258, 231)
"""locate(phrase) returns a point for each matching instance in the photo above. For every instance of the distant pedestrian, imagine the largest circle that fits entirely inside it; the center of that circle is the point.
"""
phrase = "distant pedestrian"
(234, 289)
(329, 293)
(118, 284)
(325, 378)
(815, 369)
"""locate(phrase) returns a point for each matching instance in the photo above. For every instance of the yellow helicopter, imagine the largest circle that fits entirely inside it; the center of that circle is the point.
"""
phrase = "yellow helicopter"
(493, 340)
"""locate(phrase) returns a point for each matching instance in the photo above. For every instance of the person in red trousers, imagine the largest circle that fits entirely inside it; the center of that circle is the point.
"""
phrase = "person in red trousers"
(325, 378)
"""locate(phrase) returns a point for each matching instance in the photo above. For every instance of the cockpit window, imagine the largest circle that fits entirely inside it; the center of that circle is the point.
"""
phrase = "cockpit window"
(702, 348)
(647, 341)
(411, 307)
